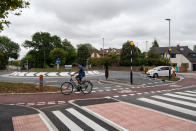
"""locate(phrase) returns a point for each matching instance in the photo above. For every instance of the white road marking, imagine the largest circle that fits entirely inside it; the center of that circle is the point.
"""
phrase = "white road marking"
(20, 103)
(123, 95)
(83, 118)
(194, 92)
(61, 102)
(65, 120)
(115, 96)
(175, 101)
(187, 94)
(171, 107)
(114, 89)
(118, 86)
(183, 97)
(41, 103)
(51, 103)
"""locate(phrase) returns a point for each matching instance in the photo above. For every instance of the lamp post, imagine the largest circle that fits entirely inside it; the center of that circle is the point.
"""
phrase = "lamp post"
(131, 72)
(103, 47)
(146, 56)
(169, 49)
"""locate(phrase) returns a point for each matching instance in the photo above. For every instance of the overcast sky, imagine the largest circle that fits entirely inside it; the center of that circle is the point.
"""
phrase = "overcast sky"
(88, 21)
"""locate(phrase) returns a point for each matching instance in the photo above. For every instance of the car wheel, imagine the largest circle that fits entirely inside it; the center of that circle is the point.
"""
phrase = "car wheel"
(155, 75)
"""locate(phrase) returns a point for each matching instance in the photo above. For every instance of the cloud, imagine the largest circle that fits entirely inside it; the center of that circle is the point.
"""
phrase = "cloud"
(88, 21)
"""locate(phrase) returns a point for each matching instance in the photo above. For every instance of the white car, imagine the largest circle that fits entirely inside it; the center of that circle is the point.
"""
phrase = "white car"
(160, 71)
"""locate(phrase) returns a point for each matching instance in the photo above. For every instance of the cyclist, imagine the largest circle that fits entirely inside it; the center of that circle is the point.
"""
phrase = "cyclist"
(80, 72)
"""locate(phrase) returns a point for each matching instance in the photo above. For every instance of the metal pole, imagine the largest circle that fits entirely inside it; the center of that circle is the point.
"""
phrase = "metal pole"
(131, 73)
(169, 48)
(103, 47)
(169, 51)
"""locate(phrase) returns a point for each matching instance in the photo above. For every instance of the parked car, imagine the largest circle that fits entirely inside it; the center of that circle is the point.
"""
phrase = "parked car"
(160, 71)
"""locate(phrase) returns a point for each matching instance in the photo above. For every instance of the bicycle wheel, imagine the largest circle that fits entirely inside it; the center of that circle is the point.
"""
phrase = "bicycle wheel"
(86, 87)
(66, 88)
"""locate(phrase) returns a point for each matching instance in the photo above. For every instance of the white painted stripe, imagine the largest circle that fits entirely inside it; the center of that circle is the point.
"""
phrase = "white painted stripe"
(115, 96)
(187, 94)
(93, 91)
(61, 102)
(183, 97)
(176, 101)
(46, 123)
(131, 94)
(107, 87)
(105, 120)
(51, 102)
(51, 81)
(194, 92)
(123, 95)
(171, 107)
(114, 89)
(83, 118)
(65, 120)
(118, 86)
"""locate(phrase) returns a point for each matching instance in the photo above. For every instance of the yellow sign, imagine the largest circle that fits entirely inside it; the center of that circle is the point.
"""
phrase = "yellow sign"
(131, 43)
(170, 49)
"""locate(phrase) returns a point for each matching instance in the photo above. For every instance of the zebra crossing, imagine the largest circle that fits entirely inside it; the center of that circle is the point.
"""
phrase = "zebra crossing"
(71, 118)
(181, 104)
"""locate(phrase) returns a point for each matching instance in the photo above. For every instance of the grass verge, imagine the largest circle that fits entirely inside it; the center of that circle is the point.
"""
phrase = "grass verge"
(7, 87)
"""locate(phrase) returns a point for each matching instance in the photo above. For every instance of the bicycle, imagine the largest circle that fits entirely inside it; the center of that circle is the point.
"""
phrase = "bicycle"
(68, 86)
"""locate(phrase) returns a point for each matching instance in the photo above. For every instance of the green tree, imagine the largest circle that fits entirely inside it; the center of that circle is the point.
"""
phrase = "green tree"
(71, 51)
(125, 57)
(10, 6)
(89, 46)
(83, 54)
(3, 61)
(9, 48)
(58, 53)
(42, 43)
(155, 43)
(114, 58)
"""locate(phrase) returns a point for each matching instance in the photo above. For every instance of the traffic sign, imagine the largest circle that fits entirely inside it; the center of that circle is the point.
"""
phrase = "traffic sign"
(58, 61)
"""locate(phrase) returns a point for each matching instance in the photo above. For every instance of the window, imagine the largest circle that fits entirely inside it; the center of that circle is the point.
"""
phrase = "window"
(165, 68)
(193, 55)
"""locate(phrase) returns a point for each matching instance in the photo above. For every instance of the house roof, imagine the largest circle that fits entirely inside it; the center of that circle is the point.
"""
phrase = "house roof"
(188, 53)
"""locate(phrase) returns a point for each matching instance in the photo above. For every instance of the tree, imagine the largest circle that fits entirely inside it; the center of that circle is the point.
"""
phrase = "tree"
(155, 44)
(10, 6)
(58, 53)
(3, 61)
(114, 58)
(9, 48)
(194, 48)
(89, 46)
(125, 57)
(43, 43)
(83, 54)
(71, 51)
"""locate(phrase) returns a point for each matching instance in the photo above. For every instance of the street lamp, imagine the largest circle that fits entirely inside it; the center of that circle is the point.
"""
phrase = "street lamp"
(103, 47)
(131, 73)
(146, 56)
(169, 49)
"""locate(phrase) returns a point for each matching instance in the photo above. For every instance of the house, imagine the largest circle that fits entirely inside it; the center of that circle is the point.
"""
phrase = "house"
(180, 55)
(95, 54)
(105, 52)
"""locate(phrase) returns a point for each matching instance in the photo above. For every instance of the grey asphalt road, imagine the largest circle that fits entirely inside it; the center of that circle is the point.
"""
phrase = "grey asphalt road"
(138, 78)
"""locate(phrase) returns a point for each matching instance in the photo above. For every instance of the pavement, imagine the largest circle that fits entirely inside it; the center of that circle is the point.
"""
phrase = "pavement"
(103, 114)
(148, 105)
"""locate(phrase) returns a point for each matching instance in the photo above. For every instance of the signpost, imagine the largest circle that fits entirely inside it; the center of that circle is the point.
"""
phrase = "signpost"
(58, 61)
